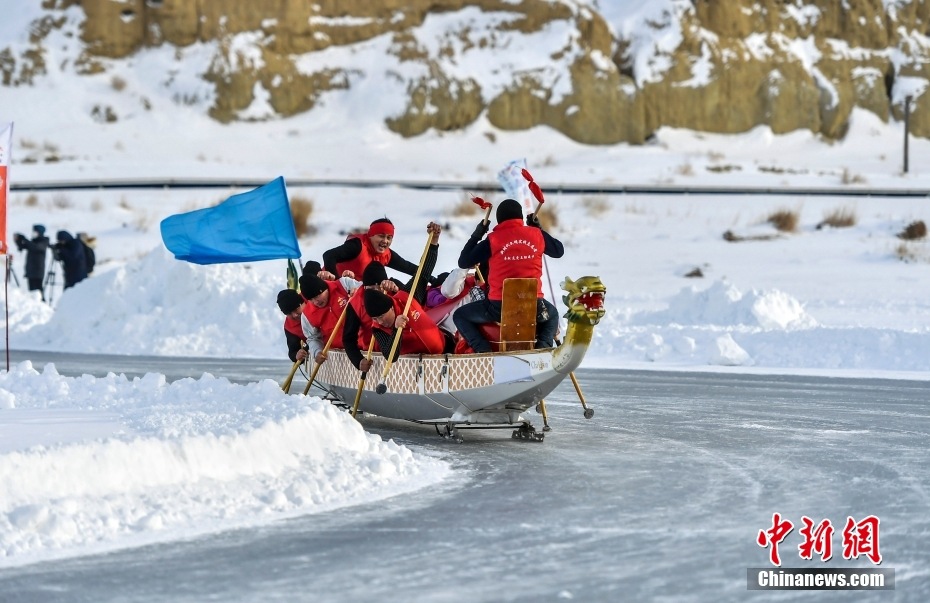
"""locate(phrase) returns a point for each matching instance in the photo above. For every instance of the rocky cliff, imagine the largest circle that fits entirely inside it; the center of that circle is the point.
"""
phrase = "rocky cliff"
(716, 66)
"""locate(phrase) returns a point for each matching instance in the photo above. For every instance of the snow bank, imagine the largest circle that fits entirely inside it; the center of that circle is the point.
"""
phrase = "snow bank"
(93, 464)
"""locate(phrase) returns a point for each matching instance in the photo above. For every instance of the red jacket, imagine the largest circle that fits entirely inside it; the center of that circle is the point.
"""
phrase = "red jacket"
(293, 327)
(516, 252)
(365, 257)
(421, 335)
(365, 323)
(325, 318)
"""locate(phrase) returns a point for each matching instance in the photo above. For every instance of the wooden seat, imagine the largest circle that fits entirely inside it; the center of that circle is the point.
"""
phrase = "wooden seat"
(518, 314)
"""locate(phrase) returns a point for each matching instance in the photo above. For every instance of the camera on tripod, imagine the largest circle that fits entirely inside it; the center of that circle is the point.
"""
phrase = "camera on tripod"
(56, 251)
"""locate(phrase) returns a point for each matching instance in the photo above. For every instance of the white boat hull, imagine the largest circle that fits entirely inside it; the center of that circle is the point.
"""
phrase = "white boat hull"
(470, 388)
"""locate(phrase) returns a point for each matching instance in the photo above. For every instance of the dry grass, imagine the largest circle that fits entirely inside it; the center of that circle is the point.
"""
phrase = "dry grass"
(142, 221)
(61, 201)
(118, 83)
(466, 207)
(549, 217)
(301, 210)
(96, 206)
(685, 169)
(595, 206)
(909, 252)
(843, 217)
(913, 231)
(849, 178)
(784, 220)
(31, 200)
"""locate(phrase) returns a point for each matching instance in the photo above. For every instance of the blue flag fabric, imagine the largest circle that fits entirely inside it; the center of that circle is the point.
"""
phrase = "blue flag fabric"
(251, 226)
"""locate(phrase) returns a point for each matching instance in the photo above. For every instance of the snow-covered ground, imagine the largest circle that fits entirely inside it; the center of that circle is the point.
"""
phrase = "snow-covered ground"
(88, 463)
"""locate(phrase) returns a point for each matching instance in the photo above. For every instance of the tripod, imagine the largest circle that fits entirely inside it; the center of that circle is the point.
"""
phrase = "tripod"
(50, 277)
(10, 272)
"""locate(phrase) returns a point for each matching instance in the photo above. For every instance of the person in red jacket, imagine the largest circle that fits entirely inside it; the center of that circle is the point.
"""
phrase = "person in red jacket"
(356, 334)
(326, 301)
(353, 256)
(419, 334)
(512, 250)
(291, 304)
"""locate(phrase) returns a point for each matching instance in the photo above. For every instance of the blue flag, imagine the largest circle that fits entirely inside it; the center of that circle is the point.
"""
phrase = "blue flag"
(251, 226)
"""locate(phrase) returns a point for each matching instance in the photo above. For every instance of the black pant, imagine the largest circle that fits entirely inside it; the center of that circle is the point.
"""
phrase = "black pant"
(35, 284)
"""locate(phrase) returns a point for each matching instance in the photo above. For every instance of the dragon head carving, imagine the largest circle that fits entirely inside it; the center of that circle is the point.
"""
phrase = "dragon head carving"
(585, 299)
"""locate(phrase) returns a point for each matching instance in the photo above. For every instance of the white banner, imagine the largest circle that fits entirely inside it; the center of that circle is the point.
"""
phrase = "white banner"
(515, 185)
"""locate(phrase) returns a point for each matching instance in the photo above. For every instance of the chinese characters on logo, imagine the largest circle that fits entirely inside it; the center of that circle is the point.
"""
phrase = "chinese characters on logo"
(859, 538)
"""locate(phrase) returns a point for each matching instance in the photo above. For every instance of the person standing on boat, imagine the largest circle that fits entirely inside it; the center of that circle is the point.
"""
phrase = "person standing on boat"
(356, 334)
(326, 301)
(512, 250)
(291, 304)
(358, 250)
(36, 251)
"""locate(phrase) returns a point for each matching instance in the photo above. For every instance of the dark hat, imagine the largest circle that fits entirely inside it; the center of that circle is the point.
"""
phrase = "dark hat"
(289, 300)
(377, 303)
(39, 229)
(508, 209)
(311, 285)
(312, 267)
(437, 281)
(374, 274)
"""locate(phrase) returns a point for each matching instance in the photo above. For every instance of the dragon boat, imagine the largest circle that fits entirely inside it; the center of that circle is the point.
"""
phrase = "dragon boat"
(488, 390)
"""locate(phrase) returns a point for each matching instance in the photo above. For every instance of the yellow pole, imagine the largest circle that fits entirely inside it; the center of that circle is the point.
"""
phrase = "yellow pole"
(382, 388)
(361, 379)
(286, 386)
(588, 412)
(545, 415)
(329, 342)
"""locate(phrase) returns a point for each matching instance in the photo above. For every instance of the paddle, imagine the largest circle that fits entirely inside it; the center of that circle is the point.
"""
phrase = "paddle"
(382, 388)
(329, 342)
(286, 386)
(486, 206)
(534, 188)
(361, 379)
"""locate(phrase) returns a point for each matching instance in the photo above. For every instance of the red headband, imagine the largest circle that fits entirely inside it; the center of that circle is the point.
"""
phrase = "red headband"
(381, 228)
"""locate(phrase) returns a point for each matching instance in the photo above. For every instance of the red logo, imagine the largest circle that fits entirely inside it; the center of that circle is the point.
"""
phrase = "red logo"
(859, 538)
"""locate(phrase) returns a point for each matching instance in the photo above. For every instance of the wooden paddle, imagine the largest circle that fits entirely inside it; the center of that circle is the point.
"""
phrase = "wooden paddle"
(486, 206)
(286, 386)
(534, 188)
(361, 379)
(382, 388)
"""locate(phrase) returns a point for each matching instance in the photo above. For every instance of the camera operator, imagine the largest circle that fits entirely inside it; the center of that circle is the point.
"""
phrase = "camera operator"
(35, 257)
(70, 252)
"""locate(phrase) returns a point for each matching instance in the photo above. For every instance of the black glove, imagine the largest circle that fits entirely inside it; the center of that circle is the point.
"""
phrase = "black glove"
(532, 220)
(480, 230)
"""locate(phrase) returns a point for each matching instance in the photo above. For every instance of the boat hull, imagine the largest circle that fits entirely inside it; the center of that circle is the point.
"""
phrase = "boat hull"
(469, 388)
